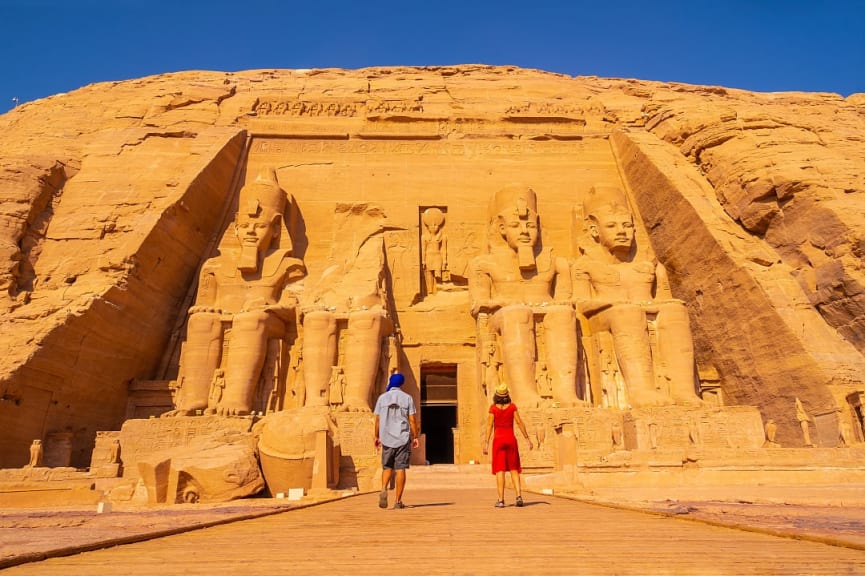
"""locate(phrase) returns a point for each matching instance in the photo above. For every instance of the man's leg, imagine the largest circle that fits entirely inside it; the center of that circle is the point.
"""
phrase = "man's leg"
(400, 484)
(386, 474)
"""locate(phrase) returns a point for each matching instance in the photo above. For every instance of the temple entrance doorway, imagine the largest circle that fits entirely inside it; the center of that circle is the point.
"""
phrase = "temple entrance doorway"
(438, 411)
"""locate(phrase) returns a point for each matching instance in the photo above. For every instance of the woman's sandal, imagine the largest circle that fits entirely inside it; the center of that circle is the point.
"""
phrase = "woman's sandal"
(519, 501)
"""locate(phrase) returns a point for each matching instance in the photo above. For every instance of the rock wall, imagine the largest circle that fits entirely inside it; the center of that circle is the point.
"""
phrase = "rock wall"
(112, 195)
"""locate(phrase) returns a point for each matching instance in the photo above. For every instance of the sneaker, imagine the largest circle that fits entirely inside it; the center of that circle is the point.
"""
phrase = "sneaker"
(382, 498)
(519, 501)
(398, 505)
(500, 504)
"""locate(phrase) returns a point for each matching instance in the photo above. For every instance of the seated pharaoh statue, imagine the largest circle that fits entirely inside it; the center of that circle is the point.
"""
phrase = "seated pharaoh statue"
(345, 315)
(629, 297)
(515, 285)
(241, 292)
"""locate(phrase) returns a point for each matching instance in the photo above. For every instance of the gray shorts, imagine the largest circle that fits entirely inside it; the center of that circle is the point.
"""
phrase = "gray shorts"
(396, 458)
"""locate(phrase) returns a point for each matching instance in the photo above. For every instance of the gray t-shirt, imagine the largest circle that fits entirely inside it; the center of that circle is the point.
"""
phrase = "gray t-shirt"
(393, 409)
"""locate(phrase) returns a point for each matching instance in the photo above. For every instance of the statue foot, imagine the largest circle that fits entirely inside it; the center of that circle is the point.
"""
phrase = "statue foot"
(231, 411)
(355, 405)
(531, 402)
(177, 412)
(566, 402)
(649, 398)
(688, 400)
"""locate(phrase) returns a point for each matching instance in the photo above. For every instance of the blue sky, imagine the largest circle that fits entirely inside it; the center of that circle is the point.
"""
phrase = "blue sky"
(52, 46)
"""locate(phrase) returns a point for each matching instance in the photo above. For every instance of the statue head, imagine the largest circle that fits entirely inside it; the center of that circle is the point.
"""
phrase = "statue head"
(259, 220)
(433, 219)
(515, 208)
(609, 219)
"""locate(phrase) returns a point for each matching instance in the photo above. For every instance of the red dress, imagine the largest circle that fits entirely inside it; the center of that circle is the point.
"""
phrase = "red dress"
(506, 454)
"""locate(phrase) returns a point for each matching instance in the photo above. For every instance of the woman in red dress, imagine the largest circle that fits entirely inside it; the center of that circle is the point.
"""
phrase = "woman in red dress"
(506, 453)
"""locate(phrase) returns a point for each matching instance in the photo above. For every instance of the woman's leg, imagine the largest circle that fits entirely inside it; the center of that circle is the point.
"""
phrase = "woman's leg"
(515, 478)
(500, 484)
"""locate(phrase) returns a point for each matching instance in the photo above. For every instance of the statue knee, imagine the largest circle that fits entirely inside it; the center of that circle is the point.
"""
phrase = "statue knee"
(512, 317)
(560, 318)
(204, 324)
(367, 321)
(673, 312)
(626, 317)
(251, 321)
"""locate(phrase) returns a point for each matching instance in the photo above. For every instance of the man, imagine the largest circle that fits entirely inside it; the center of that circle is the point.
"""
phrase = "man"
(396, 431)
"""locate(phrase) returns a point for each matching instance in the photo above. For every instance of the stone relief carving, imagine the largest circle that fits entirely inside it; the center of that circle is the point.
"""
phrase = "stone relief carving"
(546, 109)
(304, 108)
(277, 107)
(518, 285)
(630, 299)
(241, 298)
(434, 249)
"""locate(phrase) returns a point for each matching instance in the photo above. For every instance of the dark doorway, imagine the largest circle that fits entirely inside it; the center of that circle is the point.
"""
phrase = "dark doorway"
(438, 411)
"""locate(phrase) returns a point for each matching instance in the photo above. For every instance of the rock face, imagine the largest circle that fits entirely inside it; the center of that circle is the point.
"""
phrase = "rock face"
(112, 197)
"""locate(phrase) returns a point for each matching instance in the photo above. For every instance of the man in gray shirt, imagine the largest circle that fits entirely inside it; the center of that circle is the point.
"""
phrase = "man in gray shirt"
(396, 431)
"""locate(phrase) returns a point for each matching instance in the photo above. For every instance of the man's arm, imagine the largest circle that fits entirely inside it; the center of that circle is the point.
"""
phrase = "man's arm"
(415, 432)
(376, 433)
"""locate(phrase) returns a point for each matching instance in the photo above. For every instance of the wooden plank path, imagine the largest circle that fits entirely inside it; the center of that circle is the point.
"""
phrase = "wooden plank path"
(458, 531)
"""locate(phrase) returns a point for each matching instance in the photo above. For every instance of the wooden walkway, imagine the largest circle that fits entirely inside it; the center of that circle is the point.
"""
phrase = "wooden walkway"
(458, 531)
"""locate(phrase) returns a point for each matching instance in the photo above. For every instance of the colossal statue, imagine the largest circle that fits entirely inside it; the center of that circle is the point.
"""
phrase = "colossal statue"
(622, 295)
(242, 290)
(345, 316)
(515, 284)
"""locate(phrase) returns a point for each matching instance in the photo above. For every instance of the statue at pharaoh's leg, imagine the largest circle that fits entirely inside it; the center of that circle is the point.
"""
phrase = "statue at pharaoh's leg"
(352, 291)
(515, 281)
(615, 292)
(241, 289)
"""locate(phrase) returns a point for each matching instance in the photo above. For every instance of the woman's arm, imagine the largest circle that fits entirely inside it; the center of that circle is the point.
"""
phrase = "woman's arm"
(489, 432)
(522, 428)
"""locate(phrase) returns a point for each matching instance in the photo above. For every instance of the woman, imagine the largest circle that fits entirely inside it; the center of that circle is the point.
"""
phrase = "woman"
(506, 454)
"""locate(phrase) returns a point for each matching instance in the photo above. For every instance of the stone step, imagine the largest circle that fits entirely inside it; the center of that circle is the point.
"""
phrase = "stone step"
(451, 476)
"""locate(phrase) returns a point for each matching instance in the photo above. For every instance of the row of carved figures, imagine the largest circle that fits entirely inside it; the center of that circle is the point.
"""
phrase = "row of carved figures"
(607, 307)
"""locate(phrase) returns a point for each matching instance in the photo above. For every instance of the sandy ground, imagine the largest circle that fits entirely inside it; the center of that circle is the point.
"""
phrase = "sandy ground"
(830, 514)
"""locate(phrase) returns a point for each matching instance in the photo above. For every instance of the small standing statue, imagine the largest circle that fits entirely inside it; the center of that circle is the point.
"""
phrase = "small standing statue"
(35, 454)
(771, 429)
(114, 452)
(434, 242)
(804, 421)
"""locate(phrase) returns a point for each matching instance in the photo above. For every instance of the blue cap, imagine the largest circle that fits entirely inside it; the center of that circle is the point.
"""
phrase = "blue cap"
(396, 380)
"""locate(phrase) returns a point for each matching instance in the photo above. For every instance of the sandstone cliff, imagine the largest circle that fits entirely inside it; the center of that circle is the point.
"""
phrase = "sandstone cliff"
(111, 196)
